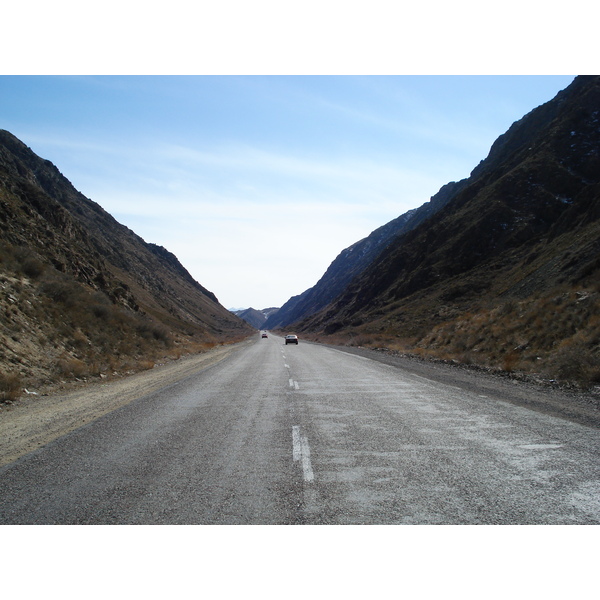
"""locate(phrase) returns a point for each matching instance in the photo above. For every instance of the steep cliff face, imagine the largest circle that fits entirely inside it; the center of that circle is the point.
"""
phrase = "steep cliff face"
(355, 259)
(61, 255)
(524, 225)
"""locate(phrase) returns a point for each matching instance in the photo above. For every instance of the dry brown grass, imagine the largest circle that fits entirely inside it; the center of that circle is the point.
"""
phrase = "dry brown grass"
(54, 330)
(556, 336)
(146, 365)
(71, 367)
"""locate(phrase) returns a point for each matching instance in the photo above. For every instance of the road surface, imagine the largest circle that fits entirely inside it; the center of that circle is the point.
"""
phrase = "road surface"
(307, 434)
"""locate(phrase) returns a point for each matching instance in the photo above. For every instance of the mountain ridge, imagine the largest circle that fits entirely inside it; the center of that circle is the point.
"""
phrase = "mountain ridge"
(255, 318)
(353, 260)
(80, 289)
(521, 233)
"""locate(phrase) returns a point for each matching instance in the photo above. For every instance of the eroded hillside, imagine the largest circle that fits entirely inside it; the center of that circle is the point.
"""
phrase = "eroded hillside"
(82, 295)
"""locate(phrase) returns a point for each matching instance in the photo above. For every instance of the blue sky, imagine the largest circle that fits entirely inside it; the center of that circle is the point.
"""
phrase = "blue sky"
(257, 183)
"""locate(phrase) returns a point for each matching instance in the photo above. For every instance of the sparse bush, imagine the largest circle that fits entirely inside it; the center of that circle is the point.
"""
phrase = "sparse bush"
(151, 331)
(575, 362)
(10, 386)
(466, 358)
(79, 339)
(63, 291)
(510, 361)
(71, 367)
(33, 268)
(161, 334)
(360, 340)
(101, 311)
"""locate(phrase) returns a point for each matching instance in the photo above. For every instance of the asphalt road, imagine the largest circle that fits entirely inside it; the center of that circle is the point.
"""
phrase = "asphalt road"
(307, 434)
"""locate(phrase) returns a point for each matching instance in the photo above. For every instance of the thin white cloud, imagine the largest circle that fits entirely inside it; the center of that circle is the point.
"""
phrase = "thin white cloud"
(274, 181)
(271, 221)
(253, 170)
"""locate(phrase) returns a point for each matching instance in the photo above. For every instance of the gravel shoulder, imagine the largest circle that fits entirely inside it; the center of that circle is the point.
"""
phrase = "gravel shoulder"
(34, 420)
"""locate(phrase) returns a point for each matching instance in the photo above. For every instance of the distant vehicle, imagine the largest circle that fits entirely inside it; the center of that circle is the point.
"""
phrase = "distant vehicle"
(264, 334)
(291, 339)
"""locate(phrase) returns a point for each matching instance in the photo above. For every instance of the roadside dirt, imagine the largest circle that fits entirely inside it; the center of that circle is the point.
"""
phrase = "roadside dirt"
(34, 420)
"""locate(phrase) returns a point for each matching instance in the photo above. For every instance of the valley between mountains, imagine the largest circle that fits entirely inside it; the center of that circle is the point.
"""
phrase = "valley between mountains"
(499, 272)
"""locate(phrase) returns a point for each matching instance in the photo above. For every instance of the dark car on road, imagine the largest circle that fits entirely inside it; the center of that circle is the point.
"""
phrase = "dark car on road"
(291, 339)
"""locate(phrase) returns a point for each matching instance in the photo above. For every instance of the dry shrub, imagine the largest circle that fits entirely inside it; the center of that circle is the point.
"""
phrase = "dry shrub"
(72, 367)
(510, 361)
(151, 331)
(206, 346)
(146, 365)
(558, 334)
(101, 310)
(78, 331)
(360, 340)
(79, 339)
(574, 361)
(466, 358)
(62, 290)
(33, 268)
(191, 347)
(161, 334)
(10, 386)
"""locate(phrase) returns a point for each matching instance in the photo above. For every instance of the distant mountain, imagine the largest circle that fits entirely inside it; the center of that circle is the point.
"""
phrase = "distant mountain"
(355, 259)
(507, 272)
(82, 294)
(256, 318)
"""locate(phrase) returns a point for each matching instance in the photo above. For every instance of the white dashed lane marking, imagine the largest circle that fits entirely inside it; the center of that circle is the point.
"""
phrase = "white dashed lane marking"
(301, 453)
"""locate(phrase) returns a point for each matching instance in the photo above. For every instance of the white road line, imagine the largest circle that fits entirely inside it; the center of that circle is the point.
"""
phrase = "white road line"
(309, 476)
(301, 452)
(296, 386)
(296, 444)
(541, 446)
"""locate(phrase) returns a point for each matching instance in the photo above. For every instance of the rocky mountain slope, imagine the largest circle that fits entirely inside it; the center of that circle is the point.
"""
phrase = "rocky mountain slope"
(256, 318)
(355, 259)
(83, 295)
(507, 273)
